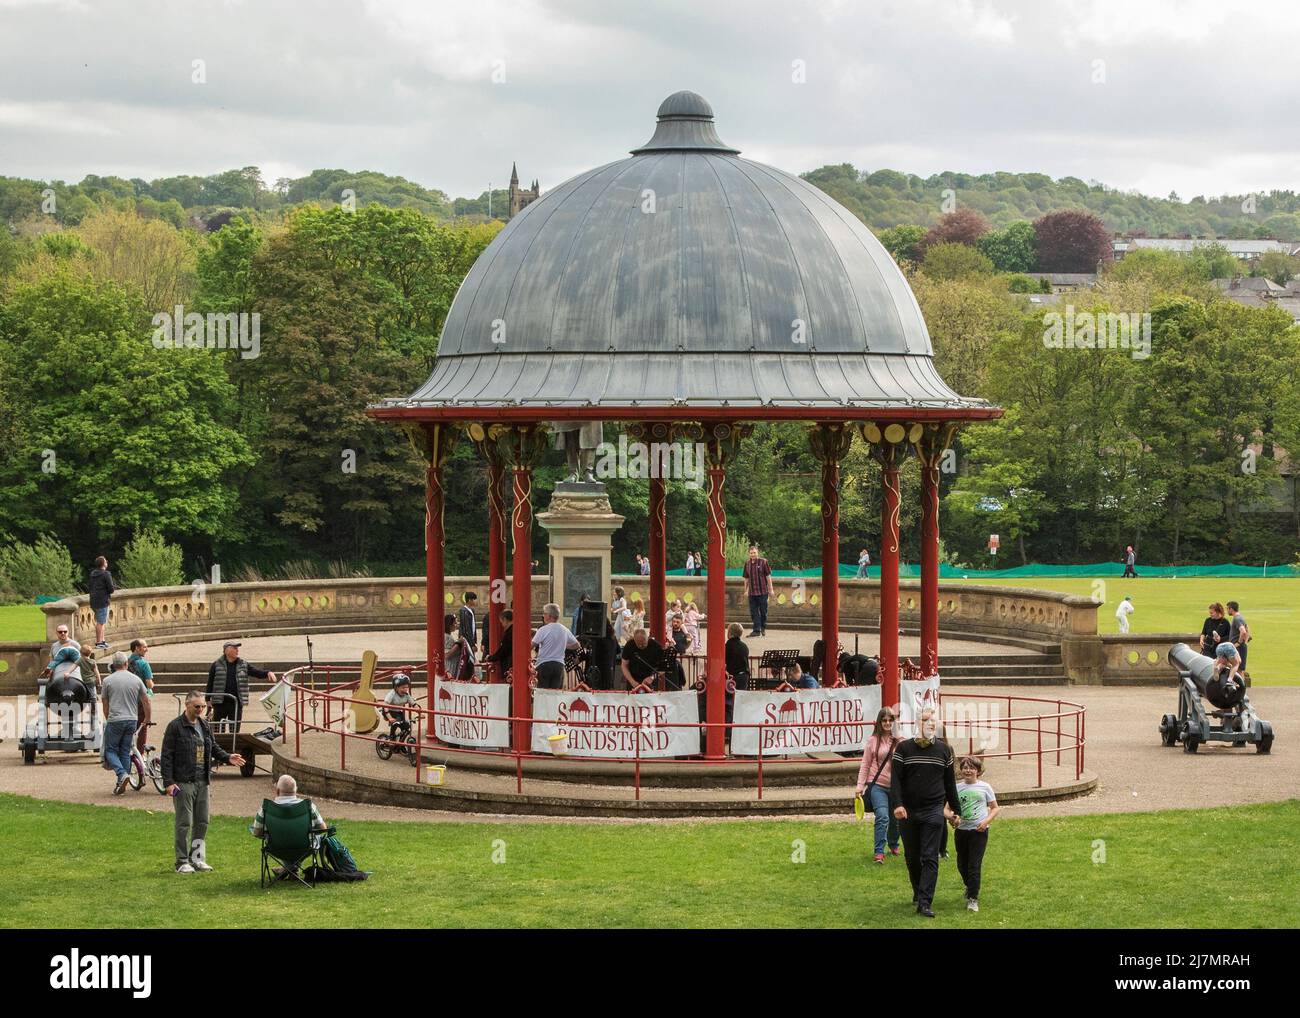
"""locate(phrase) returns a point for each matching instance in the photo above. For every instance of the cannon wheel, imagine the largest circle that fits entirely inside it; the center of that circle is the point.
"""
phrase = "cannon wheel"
(1265, 744)
(249, 767)
(1168, 730)
(29, 754)
(1190, 743)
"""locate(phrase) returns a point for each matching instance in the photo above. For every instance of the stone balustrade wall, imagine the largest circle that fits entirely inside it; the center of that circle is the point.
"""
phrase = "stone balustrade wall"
(181, 614)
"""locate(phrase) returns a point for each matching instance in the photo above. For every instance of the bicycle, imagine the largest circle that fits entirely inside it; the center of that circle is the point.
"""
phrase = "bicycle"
(400, 739)
(145, 762)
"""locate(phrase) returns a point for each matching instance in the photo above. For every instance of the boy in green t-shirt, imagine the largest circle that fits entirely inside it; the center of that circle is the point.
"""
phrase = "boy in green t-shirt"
(979, 805)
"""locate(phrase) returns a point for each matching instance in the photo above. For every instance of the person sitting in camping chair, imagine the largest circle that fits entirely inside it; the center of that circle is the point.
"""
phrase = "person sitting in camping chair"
(291, 829)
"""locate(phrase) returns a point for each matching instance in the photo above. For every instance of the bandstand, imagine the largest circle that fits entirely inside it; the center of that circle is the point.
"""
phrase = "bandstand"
(684, 294)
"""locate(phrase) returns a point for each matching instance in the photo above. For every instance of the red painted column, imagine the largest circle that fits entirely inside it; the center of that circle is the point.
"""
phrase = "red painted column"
(889, 510)
(716, 628)
(521, 699)
(929, 565)
(496, 552)
(434, 536)
(658, 606)
(830, 568)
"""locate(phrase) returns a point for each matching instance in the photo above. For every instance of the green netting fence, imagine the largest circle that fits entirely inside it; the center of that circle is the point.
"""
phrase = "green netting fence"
(1035, 570)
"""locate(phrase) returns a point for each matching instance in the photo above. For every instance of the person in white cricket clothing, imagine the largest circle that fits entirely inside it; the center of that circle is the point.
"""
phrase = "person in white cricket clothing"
(1122, 613)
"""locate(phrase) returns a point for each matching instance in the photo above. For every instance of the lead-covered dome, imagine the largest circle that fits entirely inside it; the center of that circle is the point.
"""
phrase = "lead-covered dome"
(685, 274)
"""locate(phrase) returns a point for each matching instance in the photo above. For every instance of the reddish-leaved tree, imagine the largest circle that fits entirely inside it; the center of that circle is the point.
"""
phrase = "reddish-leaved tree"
(961, 226)
(1071, 242)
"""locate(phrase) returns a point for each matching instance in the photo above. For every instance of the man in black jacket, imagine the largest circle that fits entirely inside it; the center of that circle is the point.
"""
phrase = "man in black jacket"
(504, 654)
(100, 587)
(922, 779)
(187, 754)
(228, 686)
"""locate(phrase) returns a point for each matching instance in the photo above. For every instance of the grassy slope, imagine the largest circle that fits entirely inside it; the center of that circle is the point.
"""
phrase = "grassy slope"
(1038, 873)
(21, 622)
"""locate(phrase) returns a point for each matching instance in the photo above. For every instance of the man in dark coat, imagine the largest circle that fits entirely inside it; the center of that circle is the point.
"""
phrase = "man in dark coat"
(100, 587)
(188, 750)
(922, 780)
(227, 687)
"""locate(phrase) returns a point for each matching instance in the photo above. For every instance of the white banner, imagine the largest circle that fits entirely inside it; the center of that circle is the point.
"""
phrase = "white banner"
(483, 701)
(915, 696)
(614, 714)
(797, 718)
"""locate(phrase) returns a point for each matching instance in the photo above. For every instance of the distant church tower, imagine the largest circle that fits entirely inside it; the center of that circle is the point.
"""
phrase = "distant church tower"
(519, 198)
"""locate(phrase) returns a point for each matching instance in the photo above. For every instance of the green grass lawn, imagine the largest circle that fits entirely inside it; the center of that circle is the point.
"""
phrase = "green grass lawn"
(71, 865)
(1178, 605)
(21, 622)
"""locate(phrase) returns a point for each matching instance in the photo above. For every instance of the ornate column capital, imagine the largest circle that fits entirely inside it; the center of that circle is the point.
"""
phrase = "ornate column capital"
(518, 446)
(889, 443)
(433, 441)
(721, 440)
(830, 441)
(935, 439)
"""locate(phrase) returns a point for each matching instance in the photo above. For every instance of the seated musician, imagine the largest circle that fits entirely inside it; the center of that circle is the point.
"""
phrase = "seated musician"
(737, 655)
(858, 669)
(642, 661)
(680, 641)
(797, 678)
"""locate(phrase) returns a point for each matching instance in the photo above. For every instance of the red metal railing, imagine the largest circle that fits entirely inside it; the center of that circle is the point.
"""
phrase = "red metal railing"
(1063, 740)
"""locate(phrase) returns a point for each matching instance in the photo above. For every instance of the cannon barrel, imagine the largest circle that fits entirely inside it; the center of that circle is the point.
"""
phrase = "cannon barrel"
(1198, 666)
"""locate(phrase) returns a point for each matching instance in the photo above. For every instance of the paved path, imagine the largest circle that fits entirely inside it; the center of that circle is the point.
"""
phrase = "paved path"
(404, 647)
(1135, 772)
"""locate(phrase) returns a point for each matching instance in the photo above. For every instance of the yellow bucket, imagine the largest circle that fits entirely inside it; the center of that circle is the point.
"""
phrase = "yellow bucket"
(559, 743)
(435, 774)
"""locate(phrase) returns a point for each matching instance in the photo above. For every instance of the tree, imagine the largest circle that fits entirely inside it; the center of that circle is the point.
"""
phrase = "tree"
(147, 255)
(961, 226)
(116, 434)
(1013, 249)
(341, 330)
(955, 261)
(902, 241)
(1071, 242)
(1275, 265)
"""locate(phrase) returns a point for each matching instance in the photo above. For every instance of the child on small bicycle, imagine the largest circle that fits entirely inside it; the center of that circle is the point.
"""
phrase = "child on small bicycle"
(399, 729)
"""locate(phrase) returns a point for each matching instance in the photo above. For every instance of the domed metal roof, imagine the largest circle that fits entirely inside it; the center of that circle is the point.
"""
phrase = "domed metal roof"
(685, 275)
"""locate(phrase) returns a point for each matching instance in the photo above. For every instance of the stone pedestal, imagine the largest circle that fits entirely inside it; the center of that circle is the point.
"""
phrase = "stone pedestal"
(579, 524)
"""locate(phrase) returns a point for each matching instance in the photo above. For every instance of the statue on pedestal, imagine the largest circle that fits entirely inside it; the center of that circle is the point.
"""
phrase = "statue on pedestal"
(579, 440)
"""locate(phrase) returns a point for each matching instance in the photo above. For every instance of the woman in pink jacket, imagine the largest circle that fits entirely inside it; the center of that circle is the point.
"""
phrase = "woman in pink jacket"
(873, 781)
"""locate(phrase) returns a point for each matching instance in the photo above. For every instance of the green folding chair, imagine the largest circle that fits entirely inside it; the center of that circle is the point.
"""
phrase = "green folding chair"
(288, 839)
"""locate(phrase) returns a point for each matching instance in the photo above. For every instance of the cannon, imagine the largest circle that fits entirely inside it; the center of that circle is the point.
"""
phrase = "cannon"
(1230, 719)
(67, 718)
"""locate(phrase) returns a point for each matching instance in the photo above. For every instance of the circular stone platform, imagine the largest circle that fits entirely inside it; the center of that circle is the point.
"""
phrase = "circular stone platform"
(1134, 772)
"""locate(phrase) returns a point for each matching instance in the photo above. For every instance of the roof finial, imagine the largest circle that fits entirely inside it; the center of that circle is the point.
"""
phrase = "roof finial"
(685, 125)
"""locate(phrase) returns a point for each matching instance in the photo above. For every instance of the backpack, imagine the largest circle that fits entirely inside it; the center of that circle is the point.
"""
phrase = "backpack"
(337, 862)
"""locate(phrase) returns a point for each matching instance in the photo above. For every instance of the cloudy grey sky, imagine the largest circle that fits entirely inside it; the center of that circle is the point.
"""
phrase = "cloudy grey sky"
(1153, 95)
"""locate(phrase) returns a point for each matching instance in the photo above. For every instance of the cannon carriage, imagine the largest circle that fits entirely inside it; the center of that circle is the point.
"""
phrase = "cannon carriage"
(1230, 718)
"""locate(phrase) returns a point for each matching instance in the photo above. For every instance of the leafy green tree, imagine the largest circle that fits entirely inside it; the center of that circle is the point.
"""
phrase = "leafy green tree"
(1012, 249)
(116, 434)
(955, 261)
(149, 560)
(1274, 265)
(43, 567)
(901, 242)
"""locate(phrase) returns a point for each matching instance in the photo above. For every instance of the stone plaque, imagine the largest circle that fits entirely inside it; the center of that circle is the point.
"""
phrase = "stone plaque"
(582, 575)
